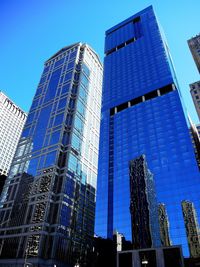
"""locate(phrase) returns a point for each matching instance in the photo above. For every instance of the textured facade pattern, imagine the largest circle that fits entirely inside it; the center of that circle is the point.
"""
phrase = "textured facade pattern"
(12, 120)
(142, 113)
(164, 226)
(195, 93)
(192, 228)
(49, 202)
(194, 45)
(195, 135)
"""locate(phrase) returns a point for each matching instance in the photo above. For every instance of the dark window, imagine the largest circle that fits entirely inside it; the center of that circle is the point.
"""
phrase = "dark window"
(151, 95)
(136, 101)
(122, 106)
(112, 111)
(53, 83)
(166, 89)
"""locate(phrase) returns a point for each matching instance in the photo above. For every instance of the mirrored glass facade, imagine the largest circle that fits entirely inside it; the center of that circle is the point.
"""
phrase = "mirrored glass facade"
(48, 203)
(142, 113)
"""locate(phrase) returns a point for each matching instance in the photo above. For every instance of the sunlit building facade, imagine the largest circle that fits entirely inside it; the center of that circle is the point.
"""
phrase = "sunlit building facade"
(142, 113)
(48, 204)
(195, 93)
(192, 228)
(12, 119)
(194, 45)
(164, 225)
(195, 136)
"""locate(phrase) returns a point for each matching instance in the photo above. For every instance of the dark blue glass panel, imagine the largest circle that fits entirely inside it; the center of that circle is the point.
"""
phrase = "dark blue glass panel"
(55, 137)
(41, 128)
(59, 119)
(32, 168)
(68, 76)
(53, 83)
(65, 88)
(50, 159)
(59, 62)
(62, 103)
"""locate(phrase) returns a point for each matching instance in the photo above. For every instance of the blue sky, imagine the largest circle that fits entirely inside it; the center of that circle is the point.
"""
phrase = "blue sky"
(33, 30)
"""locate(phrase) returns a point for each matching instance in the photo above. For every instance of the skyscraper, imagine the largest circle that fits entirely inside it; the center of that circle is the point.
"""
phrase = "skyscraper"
(12, 120)
(195, 93)
(194, 45)
(143, 205)
(195, 135)
(192, 228)
(48, 205)
(142, 113)
(164, 225)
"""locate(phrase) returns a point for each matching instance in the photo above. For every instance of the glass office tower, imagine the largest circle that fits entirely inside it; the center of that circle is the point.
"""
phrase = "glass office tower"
(142, 113)
(48, 203)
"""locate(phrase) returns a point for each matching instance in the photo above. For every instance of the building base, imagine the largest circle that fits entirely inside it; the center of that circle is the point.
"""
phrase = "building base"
(31, 262)
(152, 257)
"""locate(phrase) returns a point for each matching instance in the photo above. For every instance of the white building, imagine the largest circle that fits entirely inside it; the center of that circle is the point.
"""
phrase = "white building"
(12, 120)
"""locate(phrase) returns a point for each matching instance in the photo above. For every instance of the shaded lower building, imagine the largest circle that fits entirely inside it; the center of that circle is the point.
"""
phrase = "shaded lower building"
(143, 205)
(154, 257)
(192, 228)
(164, 225)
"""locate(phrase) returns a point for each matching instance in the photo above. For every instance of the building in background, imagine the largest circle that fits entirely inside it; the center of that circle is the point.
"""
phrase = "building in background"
(195, 93)
(192, 228)
(164, 225)
(142, 113)
(12, 120)
(48, 205)
(194, 45)
(143, 205)
(195, 135)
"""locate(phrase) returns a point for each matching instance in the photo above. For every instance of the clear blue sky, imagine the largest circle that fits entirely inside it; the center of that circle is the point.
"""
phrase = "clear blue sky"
(33, 30)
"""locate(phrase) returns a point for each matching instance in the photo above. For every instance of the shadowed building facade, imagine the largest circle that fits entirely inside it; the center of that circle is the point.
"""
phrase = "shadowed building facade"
(142, 113)
(48, 203)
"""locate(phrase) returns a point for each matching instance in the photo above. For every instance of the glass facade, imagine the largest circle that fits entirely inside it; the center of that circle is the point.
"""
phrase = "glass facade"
(142, 113)
(48, 203)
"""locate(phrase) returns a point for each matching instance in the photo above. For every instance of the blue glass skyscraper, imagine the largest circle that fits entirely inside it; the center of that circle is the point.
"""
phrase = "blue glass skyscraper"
(48, 203)
(142, 114)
